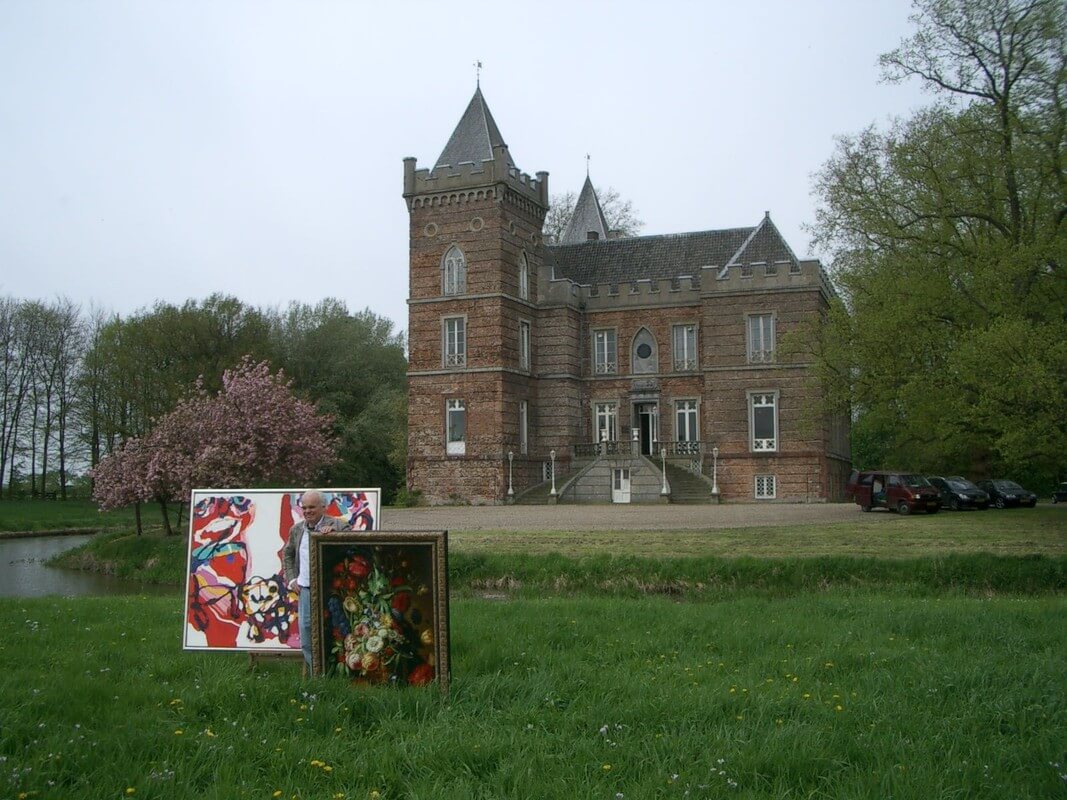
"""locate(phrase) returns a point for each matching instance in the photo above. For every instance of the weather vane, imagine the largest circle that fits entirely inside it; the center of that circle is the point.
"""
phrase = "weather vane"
(477, 73)
(587, 157)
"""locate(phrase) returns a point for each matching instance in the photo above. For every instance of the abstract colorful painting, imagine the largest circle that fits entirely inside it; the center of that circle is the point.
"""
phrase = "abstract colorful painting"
(381, 606)
(236, 594)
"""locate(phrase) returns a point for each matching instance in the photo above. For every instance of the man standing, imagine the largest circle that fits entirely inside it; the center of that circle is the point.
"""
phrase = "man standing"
(297, 557)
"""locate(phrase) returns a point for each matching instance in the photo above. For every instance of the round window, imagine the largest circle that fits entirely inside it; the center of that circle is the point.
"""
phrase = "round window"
(644, 350)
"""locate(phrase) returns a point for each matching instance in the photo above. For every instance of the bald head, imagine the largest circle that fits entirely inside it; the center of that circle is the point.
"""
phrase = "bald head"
(314, 505)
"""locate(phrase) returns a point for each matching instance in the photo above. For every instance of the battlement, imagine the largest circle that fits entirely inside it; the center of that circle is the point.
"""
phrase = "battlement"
(761, 276)
(469, 175)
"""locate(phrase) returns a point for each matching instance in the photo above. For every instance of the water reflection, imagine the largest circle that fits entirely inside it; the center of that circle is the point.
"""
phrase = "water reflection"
(24, 571)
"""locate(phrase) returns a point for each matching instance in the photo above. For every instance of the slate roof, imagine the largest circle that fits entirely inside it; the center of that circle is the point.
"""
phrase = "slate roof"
(631, 259)
(587, 216)
(474, 138)
(619, 261)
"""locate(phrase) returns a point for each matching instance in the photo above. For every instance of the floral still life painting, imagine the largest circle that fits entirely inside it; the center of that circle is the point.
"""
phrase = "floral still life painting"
(381, 602)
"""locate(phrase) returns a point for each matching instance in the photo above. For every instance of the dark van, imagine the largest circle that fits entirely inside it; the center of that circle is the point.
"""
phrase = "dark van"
(903, 492)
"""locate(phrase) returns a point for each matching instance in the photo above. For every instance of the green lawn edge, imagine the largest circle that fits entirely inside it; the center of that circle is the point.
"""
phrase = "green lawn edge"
(153, 559)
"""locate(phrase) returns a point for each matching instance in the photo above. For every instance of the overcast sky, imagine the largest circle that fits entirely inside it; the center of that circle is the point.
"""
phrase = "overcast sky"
(155, 150)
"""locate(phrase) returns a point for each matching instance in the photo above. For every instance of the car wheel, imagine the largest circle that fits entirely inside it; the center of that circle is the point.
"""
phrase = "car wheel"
(902, 509)
(933, 510)
(1031, 505)
(955, 504)
(999, 503)
(1054, 500)
(865, 508)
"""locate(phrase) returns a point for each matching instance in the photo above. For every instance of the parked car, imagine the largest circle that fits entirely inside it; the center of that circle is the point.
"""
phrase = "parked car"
(902, 492)
(1006, 493)
(1059, 494)
(958, 493)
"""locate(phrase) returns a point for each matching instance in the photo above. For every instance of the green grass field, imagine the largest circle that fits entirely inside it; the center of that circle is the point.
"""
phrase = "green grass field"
(833, 695)
(43, 515)
(1009, 532)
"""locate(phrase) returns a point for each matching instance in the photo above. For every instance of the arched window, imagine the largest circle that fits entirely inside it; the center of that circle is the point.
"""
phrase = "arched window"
(524, 277)
(454, 269)
(643, 356)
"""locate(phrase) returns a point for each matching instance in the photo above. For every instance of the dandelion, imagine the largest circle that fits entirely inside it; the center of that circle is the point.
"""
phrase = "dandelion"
(277, 793)
(838, 708)
(130, 790)
(374, 794)
(178, 732)
(606, 768)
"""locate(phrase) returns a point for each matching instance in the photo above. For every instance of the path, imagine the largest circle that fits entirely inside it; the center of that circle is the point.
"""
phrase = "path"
(620, 518)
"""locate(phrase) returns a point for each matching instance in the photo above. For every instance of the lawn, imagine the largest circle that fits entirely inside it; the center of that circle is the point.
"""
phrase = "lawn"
(44, 515)
(835, 694)
(1009, 532)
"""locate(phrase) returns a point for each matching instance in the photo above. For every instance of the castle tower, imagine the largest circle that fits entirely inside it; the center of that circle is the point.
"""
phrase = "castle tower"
(475, 253)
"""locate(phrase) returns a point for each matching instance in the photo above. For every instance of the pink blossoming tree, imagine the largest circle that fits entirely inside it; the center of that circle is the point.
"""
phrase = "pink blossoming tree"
(254, 431)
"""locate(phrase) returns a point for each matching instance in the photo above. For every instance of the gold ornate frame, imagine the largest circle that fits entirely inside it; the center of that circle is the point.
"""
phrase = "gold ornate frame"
(438, 543)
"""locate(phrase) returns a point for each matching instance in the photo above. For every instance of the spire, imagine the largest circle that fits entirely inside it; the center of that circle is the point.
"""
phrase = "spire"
(588, 218)
(474, 138)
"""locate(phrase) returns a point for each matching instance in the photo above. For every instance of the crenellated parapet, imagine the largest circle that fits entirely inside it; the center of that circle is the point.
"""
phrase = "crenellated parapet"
(495, 178)
(766, 276)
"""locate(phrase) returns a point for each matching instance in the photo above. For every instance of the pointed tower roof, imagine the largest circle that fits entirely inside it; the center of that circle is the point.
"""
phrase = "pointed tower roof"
(474, 138)
(587, 218)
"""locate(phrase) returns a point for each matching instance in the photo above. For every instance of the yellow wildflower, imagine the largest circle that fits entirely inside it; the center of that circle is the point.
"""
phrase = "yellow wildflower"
(606, 768)
(277, 793)
(178, 732)
(130, 790)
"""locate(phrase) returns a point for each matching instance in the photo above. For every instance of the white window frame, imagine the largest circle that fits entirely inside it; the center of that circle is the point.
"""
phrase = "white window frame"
(609, 410)
(604, 366)
(691, 410)
(452, 355)
(762, 398)
(525, 334)
(685, 361)
(524, 277)
(524, 427)
(453, 272)
(455, 447)
(760, 347)
(760, 485)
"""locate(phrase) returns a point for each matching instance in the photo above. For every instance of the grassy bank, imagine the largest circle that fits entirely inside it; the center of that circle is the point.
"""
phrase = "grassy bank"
(159, 559)
(837, 695)
(46, 515)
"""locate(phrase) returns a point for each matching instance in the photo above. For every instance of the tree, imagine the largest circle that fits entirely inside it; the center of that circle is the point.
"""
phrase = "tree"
(253, 431)
(620, 214)
(353, 366)
(947, 238)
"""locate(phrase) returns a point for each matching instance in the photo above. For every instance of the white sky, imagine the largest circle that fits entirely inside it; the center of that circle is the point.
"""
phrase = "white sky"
(155, 150)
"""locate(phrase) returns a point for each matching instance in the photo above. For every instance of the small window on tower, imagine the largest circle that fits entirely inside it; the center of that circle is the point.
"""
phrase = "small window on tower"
(454, 269)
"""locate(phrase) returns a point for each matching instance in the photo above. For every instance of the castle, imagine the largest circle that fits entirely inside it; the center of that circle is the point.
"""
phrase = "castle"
(599, 367)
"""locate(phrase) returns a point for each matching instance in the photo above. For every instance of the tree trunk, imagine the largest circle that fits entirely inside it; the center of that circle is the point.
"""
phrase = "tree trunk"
(166, 518)
(181, 509)
(137, 516)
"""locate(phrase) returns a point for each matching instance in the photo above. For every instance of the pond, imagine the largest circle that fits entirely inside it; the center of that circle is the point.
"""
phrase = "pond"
(24, 571)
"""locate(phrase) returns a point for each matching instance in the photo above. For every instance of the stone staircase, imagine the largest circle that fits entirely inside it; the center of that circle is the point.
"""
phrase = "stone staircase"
(688, 488)
(539, 494)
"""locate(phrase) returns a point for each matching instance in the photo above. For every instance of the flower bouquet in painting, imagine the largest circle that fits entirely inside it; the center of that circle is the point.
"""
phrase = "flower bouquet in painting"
(379, 611)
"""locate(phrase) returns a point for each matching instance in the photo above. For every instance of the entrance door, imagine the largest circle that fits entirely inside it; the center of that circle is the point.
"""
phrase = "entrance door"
(620, 486)
(646, 425)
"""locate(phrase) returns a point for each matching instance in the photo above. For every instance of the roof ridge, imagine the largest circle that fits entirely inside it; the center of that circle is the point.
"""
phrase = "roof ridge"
(678, 235)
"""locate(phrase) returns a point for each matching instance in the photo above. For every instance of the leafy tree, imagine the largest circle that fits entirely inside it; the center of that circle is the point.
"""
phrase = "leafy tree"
(947, 238)
(620, 214)
(253, 431)
(354, 367)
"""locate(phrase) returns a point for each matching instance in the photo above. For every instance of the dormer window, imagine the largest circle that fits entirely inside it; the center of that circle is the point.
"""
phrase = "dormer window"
(454, 269)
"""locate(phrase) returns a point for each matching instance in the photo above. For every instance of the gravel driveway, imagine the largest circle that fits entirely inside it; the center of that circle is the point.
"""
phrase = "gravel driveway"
(619, 518)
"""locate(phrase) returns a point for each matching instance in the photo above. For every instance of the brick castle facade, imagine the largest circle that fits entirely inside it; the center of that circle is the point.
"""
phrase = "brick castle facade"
(617, 356)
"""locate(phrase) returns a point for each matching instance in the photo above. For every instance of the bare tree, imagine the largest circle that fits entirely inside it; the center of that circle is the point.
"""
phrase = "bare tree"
(620, 214)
